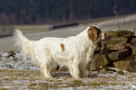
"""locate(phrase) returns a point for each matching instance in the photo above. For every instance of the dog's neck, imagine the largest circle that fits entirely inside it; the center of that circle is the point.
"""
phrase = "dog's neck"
(83, 37)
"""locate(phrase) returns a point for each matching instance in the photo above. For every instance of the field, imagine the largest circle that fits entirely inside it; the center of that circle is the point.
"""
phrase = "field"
(18, 74)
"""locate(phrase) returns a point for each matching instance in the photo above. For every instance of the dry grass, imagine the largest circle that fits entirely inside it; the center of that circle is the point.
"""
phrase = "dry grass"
(32, 28)
(31, 79)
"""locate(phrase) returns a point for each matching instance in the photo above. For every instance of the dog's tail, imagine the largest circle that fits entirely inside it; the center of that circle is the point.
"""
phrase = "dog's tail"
(23, 43)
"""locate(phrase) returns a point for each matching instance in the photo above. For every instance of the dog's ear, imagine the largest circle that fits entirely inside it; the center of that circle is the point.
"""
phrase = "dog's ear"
(93, 33)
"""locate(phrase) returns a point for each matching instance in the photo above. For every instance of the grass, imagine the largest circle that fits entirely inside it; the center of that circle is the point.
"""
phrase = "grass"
(31, 79)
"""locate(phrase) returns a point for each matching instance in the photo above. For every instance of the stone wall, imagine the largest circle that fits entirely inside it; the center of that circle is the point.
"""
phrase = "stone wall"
(118, 49)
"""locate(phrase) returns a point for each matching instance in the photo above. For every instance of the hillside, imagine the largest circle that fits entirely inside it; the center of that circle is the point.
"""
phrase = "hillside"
(35, 32)
(49, 11)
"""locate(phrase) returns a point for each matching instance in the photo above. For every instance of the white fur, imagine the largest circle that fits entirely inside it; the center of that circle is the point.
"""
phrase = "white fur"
(78, 51)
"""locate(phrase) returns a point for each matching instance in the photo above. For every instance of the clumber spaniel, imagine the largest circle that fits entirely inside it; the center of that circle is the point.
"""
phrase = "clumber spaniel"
(74, 52)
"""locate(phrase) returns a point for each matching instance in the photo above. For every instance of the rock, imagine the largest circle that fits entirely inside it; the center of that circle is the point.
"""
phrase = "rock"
(104, 50)
(125, 33)
(134, 57)
(114, 40)
(133, 47)
(98, 60)
(117, 46)
(119, 55)
(127, 64)
(121, 72)
(119, 33)
(113, 43)
(109, 34)
(133, 40)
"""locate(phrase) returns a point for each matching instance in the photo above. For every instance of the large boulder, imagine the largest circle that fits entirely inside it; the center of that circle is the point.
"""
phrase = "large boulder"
(119, 33)
(114, 40)
(119, 55)
(98, 60)
(128, 64)
(116, 46)
(114, 43)
(125, 33)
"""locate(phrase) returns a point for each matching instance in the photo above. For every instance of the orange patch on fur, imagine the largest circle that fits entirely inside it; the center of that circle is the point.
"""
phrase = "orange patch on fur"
(62, 47)
(93, 33)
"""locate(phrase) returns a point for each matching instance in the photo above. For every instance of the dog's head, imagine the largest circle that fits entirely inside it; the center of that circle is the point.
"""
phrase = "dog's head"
(94, 33)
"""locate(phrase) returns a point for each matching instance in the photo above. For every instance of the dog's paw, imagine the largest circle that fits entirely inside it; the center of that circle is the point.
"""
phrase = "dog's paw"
(49, 77)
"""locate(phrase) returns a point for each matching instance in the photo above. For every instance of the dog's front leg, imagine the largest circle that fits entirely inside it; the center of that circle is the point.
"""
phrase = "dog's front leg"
(71, 70)
(76, 69)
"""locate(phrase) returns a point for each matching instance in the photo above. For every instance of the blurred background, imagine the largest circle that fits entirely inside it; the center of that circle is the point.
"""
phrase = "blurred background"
(16, 12)
(50, 11)
(32, 16)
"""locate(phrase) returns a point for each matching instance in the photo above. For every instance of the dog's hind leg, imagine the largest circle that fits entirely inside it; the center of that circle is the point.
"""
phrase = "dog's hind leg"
(45, 68)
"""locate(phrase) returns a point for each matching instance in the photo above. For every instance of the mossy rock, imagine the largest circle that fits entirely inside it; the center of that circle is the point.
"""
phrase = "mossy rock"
(109, 34)
(113, 43)
(133, 47)
(98, 60)
(119, 33)
(125, 33)
(121, 72)
(128, 64)
(117, 46)
(119, 55)
(133, 40)
(114, 40)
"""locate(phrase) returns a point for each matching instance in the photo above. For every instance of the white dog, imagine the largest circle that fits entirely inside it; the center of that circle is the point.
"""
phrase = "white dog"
(74, 52)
